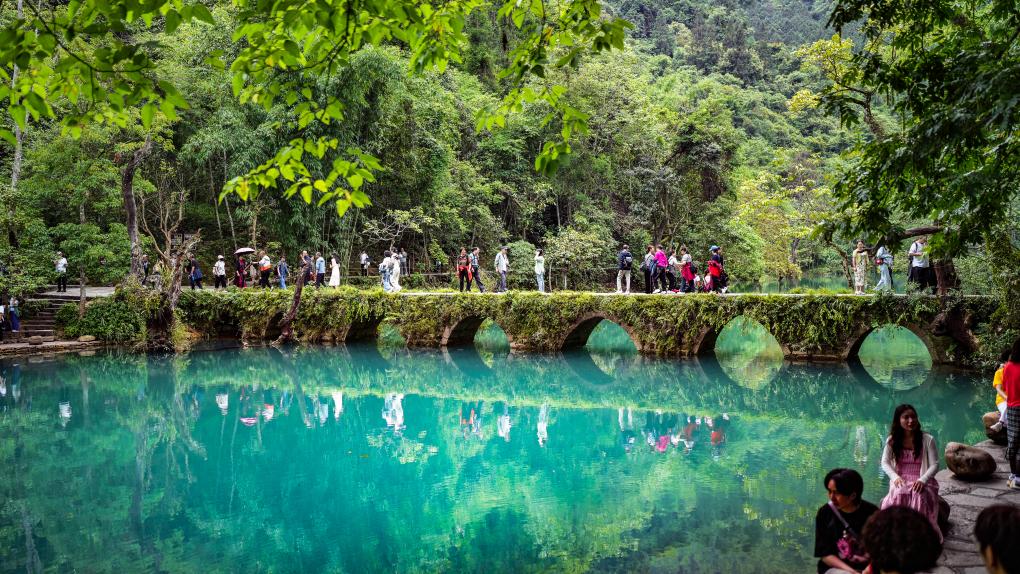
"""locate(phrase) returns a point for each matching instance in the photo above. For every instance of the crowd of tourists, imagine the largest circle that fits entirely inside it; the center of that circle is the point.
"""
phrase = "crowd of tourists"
(904, 534)
(867, 263)
(663, 270)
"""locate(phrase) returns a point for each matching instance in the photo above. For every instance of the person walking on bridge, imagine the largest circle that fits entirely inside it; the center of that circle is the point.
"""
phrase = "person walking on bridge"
(475, 271)
(502, 265)
(648, 267)
(625, 262)
(884, 261)
(464, 269)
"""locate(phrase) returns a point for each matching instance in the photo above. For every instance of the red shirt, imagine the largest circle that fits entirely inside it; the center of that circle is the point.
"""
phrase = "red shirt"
(1011, 383)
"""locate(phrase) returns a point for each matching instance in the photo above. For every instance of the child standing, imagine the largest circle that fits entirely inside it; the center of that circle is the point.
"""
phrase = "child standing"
(1000, 395)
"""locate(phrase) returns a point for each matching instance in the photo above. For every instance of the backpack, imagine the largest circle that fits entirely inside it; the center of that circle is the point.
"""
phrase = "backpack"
(628, 263)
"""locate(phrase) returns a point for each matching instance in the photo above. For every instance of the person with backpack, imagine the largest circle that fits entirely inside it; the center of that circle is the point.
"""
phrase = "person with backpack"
(687, 271)
(672, 271)
(475, 271)
(625, 262)
(195, 273)
(648, 267)
(661, 264)
(717, 269)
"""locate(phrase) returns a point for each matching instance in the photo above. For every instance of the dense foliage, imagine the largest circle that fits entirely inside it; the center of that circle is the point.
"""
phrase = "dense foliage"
(705, 125)
(684, 125)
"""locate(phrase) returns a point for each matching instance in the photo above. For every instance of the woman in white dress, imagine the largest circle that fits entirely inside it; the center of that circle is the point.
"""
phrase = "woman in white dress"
(395, 275)
(334, 278)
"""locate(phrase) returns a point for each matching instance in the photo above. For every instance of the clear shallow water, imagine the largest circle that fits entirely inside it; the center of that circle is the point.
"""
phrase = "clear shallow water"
(368, 459)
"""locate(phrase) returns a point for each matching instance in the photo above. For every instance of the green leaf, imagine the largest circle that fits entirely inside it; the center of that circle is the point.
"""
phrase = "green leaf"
(148, 112)
(200, 12)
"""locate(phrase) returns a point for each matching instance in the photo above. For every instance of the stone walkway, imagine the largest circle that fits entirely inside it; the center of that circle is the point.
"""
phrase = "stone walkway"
(960, 554)
(22, 348)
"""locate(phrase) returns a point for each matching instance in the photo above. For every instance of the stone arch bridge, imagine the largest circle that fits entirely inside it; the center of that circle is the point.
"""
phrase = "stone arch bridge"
(807, 327)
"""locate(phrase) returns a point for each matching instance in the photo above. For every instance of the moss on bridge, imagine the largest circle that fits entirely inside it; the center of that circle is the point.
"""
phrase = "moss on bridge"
(821, 327)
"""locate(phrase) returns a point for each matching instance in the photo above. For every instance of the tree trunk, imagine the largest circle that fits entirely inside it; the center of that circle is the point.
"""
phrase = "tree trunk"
(945, 276)
(286, 330)
(844, 258)
(130, 205)
(19, 137)
(160, 325)
(794, 246)
(81, 269)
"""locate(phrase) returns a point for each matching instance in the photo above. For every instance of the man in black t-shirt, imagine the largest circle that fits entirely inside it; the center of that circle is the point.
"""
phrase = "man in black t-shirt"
(845, 487)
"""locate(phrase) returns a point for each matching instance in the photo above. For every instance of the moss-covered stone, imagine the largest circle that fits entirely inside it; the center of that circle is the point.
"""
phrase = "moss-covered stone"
(819, 327)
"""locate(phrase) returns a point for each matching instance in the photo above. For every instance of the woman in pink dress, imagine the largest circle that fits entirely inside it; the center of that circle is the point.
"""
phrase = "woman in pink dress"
(911, 459)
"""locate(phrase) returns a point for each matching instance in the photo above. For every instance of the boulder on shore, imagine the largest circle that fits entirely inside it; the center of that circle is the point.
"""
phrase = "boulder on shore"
(968, 462)
(86, 339)
(999, 436)
(35, 340)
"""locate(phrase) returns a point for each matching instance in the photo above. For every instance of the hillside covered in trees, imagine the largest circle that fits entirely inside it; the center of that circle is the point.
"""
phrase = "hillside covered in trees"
(704, 129)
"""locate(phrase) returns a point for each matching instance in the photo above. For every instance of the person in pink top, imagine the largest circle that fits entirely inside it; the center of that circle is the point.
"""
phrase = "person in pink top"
(1011, 388)
(661, 264)
(910, 460)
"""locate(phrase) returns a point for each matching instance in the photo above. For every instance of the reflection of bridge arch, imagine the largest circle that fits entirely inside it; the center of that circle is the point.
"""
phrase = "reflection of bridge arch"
(468, 361)
(852, 350)
(578, 333)
(462, 333)
(581, 363)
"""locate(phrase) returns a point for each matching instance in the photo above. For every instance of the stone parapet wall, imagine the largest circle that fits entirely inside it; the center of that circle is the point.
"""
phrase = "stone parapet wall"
(807, 327)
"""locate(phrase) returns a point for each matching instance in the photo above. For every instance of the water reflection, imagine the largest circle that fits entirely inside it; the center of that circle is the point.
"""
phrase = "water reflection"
(349, 459)
(895, 358)
(748, 353)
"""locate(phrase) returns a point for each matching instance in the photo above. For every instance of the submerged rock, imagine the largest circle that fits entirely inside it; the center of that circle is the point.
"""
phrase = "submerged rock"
(999, 436)
(968, 462)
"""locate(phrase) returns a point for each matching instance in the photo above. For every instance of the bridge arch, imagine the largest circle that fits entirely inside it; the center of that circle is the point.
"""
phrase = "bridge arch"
(852, 351)
(578, 332)
(462, 332)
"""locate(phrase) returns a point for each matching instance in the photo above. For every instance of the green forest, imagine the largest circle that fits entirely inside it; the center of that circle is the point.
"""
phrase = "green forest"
(782, 130)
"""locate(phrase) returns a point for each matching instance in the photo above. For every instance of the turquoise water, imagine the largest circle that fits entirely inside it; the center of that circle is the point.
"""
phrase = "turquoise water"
(381, 459)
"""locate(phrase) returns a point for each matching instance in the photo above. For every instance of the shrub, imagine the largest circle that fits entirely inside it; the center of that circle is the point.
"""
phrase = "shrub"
(107, 319)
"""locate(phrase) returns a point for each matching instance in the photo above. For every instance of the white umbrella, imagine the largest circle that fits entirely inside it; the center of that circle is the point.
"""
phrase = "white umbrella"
(244, 251)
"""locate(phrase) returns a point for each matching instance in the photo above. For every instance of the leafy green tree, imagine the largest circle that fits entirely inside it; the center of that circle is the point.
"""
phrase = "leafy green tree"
(949, 70)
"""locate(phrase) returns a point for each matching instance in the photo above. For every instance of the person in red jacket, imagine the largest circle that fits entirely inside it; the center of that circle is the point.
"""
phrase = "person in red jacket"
(1011, 386)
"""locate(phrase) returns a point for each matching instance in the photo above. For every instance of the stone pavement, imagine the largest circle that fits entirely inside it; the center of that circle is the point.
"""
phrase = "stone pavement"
(960, 554)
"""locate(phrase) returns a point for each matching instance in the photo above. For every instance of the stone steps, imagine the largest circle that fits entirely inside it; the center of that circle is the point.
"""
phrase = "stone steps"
(967, 499)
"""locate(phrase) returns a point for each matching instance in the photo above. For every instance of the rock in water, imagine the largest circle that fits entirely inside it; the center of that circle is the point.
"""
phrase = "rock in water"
(968, 462)
(999, 436)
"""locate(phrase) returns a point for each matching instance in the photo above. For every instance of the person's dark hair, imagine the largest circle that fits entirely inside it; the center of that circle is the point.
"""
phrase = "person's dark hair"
(848, 481)
(998, 527)
(683, 249)
(1004, 356)
(625, 246)
(386, 253)
(901, 539)
(1014, 354)
(896, 431)
(650, 247)
(540, 252)
(463, 249)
